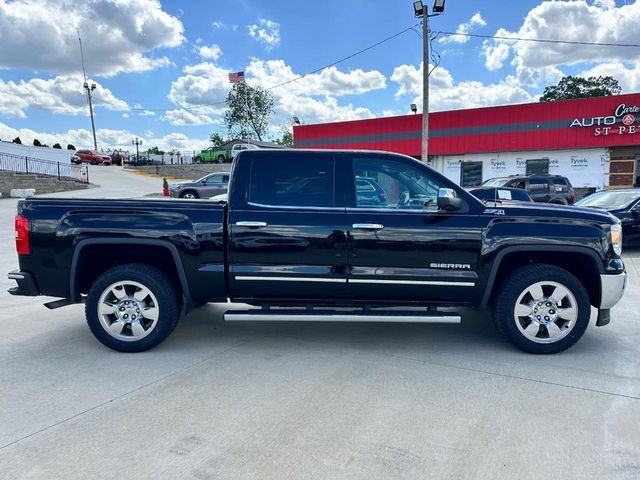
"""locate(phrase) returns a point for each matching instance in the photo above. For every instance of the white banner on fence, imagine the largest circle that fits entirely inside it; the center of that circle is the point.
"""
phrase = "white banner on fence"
(41, 153)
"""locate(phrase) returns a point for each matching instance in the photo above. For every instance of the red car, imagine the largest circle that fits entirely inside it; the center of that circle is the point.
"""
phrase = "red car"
(92, 157)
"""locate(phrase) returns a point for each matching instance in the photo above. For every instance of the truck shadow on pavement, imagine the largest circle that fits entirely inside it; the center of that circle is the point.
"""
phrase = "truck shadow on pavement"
(476, 333)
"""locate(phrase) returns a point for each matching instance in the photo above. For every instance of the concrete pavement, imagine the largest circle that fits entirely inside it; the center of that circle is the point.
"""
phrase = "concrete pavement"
(277, 400)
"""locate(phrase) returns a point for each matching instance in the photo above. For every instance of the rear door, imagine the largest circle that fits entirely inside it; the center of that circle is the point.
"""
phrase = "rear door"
(287, 231)
(404, 249)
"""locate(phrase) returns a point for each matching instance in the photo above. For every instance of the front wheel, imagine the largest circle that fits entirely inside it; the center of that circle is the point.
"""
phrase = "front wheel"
(94, 161)
(542, 309)
(221, 158)
(132, 308)
(190, 195)
(197, 160)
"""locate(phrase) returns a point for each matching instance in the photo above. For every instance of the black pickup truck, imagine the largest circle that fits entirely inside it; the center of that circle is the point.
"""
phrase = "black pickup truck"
(303, 239)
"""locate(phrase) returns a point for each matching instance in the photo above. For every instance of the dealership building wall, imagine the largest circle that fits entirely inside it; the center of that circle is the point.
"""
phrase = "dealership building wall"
(595, 142)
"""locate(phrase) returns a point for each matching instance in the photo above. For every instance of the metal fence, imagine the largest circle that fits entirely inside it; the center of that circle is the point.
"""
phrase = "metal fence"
(35, 166)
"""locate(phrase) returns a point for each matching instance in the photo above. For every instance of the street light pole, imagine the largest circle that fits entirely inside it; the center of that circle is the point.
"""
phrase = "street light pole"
(137, 142)
(88, 90)
(421, 10)
(425, 86)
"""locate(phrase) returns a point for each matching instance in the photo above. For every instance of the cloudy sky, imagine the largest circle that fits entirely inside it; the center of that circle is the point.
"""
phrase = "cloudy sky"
(161, 67)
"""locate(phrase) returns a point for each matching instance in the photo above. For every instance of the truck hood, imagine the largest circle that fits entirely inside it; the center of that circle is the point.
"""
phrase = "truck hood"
(547, 210)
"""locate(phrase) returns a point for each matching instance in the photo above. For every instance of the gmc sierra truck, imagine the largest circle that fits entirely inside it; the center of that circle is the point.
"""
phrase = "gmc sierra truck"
(300, 239)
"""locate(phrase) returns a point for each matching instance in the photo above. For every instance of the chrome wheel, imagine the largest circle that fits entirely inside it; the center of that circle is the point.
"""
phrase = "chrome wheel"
(546, 312)
(128, 310)
(189, 195)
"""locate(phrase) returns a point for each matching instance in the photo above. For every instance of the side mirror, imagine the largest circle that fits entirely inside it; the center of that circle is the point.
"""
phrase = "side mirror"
(449, 201)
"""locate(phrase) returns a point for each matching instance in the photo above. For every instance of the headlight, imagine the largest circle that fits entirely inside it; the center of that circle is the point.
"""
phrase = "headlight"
(616, 238)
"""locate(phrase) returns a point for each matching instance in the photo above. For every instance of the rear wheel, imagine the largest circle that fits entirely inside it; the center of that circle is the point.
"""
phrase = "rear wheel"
(221, 158)
(542, 309)
(197, 160)
(132, 308)
(94, 161)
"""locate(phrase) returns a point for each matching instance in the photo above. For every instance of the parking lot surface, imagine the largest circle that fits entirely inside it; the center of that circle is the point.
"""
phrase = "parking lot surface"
(309, 401)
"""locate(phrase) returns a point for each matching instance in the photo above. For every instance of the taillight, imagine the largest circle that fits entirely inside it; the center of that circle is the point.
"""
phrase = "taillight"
(383, 195)
(22, 235)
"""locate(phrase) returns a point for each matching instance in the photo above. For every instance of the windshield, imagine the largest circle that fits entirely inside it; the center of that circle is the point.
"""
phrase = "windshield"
(495, 182)
(609, 200)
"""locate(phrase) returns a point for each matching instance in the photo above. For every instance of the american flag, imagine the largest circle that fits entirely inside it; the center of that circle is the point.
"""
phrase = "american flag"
(236, 77)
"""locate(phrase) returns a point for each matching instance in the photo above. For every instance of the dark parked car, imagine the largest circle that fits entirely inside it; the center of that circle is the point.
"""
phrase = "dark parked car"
(205, 187)
(118, 158)
(624, 204)
(92, 157)
(369, 191)
(500, 194)
(541, 188)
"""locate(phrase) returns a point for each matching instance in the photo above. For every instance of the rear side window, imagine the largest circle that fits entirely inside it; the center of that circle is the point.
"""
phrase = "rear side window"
(538, 185)
(292, 182)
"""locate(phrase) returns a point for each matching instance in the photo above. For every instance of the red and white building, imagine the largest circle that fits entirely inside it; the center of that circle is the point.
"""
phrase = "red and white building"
(595, 142)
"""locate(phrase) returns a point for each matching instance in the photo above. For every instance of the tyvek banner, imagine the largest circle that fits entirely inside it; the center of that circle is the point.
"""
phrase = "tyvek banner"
(583, 167)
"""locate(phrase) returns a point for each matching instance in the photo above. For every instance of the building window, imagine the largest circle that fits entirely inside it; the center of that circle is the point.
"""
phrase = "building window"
(538, 166)
(471, 174)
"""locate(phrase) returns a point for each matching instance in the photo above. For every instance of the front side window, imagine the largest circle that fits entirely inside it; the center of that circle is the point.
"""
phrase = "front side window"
(394, 184)
(303, 181)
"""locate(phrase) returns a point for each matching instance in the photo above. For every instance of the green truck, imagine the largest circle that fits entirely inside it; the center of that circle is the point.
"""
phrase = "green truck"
(222, 155)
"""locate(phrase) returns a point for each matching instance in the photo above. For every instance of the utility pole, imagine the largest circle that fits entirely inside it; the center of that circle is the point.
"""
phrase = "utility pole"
(425, 86)
(420, 10)
(88, 89)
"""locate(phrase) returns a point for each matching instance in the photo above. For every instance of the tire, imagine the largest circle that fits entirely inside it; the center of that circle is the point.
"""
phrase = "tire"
(94, 161)
(128, 335)
(197, 160)
(527, 304)
(189, 194)
(221, 159)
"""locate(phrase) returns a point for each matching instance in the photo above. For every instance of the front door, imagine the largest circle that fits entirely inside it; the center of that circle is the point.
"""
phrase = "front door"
(401, 247)
(288, 241)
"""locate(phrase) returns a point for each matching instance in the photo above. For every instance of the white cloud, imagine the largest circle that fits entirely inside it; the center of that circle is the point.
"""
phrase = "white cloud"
(203, 86)
(265, 31)
(475, 21)
(312, 98)
(599, 21)
(329, 81)
(628, 75)
(147, 113)
(213, 51)
(107, 138)
(446, 94)
(118, 36)
(59, 95)
(217, 25)
(183, 117)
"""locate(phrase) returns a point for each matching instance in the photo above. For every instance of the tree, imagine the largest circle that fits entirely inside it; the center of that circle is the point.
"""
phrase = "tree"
(248, 111)
(37, 143)
(217, 139)
(287, 137)
(57, 145)
(579, 87)
(70, 146)
(17, 140)
(155, 151)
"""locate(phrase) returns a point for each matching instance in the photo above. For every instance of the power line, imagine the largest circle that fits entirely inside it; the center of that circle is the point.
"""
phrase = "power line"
(540, 40)
(299, 77)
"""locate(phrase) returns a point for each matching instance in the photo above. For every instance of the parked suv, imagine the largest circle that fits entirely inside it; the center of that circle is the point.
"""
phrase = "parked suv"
(205, 187)
(541, 188)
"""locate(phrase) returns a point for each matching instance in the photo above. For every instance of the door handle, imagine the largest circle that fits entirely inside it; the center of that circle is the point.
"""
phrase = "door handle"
(368, 226)
(251, 224)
